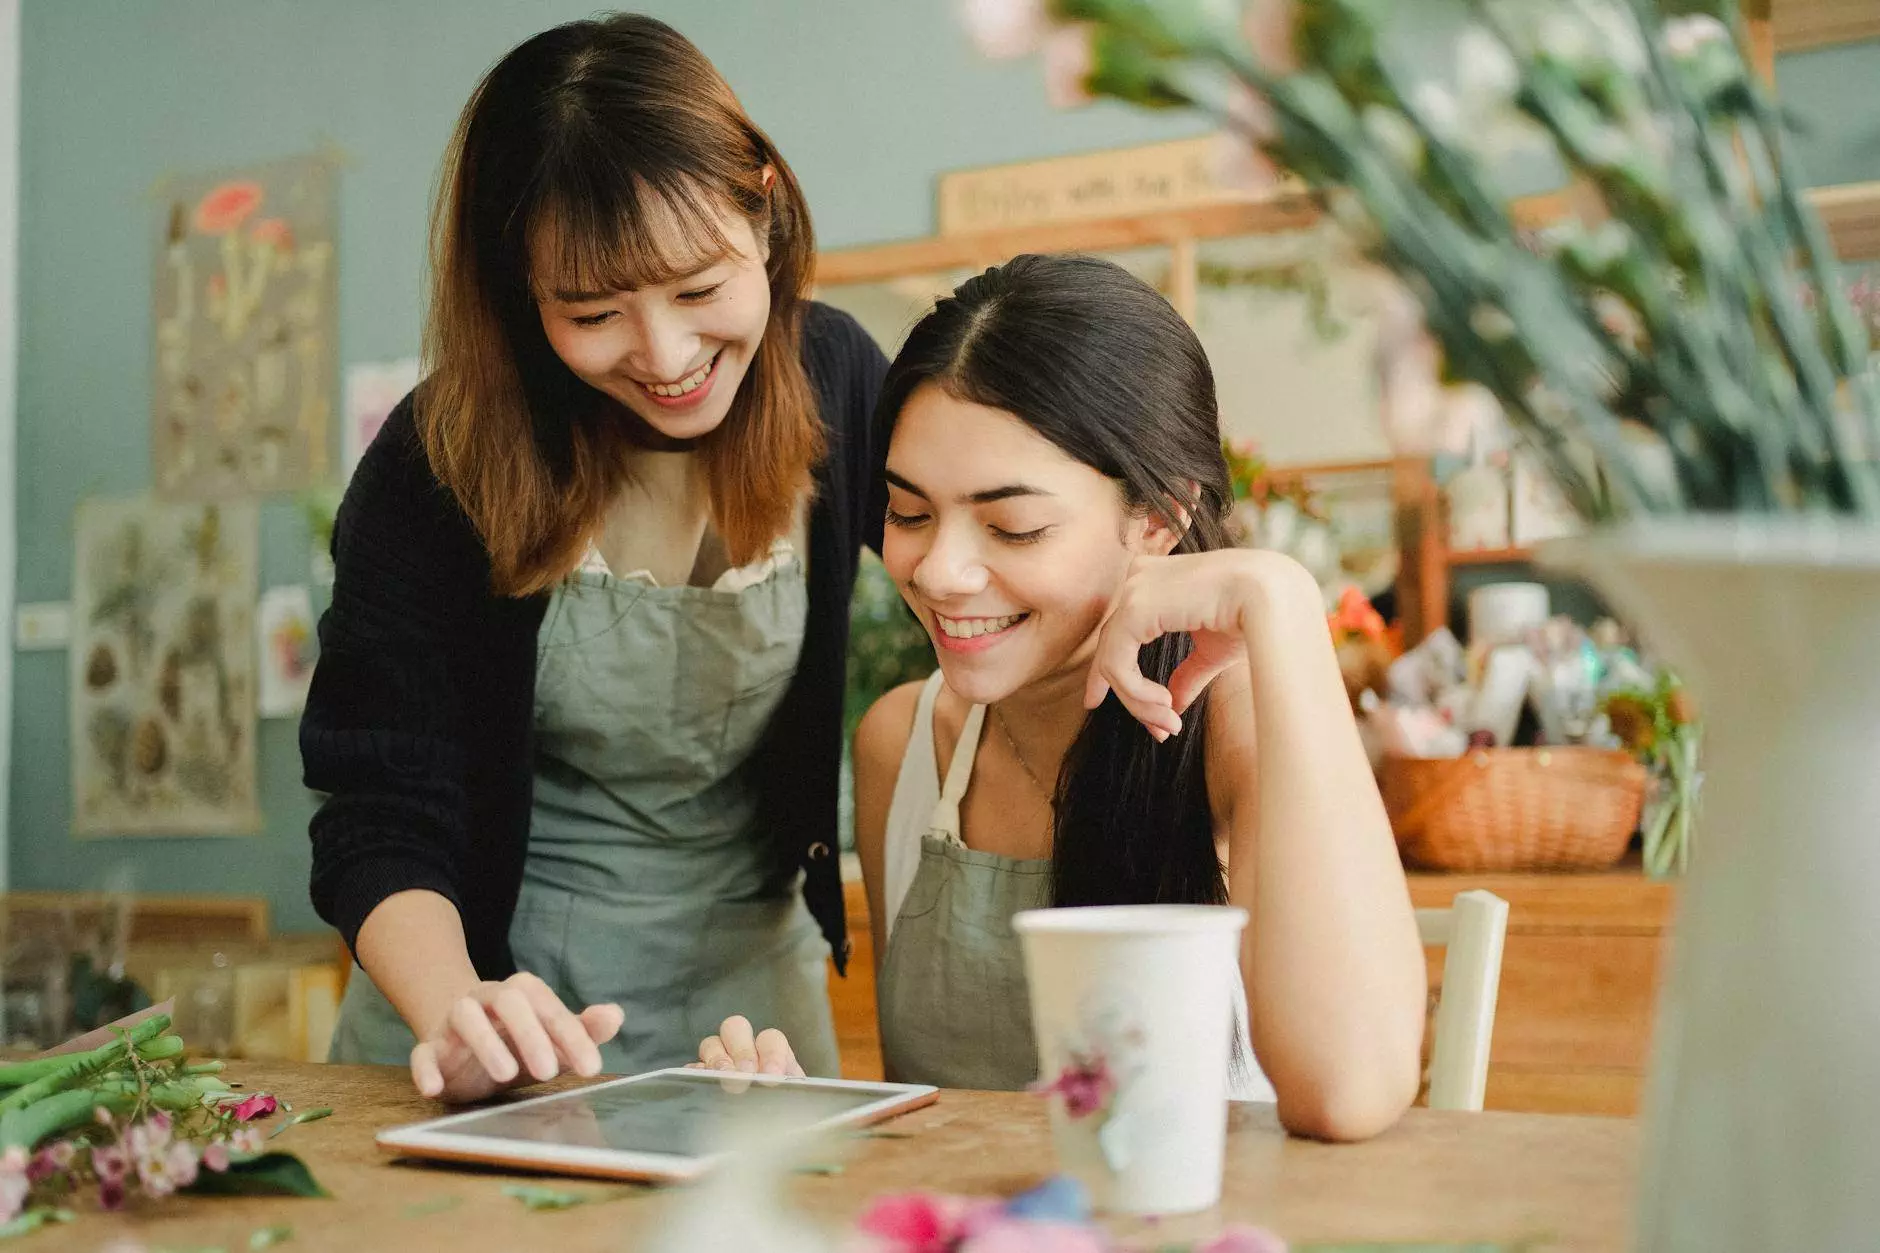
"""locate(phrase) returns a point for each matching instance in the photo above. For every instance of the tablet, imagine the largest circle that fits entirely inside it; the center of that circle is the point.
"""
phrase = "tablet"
(664, 1124)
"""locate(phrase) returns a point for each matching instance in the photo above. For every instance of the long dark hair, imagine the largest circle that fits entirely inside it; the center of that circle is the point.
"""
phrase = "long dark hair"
(596, 130)
(1097, 362)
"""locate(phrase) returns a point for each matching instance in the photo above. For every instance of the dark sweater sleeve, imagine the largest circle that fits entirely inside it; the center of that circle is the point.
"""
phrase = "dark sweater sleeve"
(847, 366)
(383, 732)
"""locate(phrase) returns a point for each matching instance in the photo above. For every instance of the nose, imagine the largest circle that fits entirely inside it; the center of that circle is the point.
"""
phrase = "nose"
(664, 348)
(951, 567)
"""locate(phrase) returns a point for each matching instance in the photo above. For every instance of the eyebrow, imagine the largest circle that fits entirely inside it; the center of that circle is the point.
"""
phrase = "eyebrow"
(990, 496)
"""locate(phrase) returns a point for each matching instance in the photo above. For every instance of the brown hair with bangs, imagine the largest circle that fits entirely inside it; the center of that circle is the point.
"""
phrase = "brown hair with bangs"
(608, 134)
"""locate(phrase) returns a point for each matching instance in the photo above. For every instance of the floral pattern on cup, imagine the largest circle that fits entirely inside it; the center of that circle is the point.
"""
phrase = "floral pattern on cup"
(1102, 1057)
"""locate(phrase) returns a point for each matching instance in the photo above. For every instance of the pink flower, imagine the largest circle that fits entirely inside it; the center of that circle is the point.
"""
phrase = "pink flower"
(109, 1164)
(274, 232)
(13, 1184)
(1086, 1085)
(1020, 1236)
(150, 1138)
(1070, 57)
(162, 1173)
(260, 1105)
(1005, 29)
(1243, 1240)
(245, 1140)
(923, 1222)
(227, 207)
(54, 1159)
(111, 1193)
(215, 1157)
(1268, 25)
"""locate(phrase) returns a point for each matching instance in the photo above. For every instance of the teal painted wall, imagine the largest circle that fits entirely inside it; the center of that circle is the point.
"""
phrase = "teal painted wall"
(869, 100)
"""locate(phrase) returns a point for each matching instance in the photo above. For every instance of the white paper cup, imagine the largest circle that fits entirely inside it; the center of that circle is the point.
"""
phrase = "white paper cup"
(1132, 1006)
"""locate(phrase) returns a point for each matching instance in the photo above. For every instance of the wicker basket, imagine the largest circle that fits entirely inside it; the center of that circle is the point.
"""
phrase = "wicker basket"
(1507, 809)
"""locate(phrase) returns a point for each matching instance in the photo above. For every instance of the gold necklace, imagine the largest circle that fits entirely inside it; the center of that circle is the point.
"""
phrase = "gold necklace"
(1019, 754)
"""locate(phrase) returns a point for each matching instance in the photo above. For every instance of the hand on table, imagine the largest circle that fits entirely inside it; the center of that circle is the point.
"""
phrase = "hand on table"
(735, 1048)
(502, 1035)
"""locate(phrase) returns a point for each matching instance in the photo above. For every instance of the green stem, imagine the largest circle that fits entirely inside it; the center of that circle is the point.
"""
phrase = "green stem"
(80, 1066)
(26, 1128)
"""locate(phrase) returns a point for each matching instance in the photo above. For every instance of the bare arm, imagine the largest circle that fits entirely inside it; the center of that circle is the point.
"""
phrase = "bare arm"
(413, 947)
(1333, 964)
(880, 743)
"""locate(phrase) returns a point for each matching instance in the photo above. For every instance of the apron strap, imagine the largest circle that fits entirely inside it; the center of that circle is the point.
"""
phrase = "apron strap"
(946, 814)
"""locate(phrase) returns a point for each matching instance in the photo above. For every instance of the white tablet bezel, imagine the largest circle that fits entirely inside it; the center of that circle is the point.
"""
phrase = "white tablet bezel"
(433, 1139)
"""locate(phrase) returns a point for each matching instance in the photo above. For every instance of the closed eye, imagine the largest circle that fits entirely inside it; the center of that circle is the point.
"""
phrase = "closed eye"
(594, 319)
(702, 293)
(906, 521)
(1021, 537)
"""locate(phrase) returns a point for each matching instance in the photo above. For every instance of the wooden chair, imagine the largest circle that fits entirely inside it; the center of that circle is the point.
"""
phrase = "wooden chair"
(1470, 932)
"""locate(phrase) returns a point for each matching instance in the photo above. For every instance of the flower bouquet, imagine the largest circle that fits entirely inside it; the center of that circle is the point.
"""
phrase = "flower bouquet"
(1659, 726)
(132, 1117)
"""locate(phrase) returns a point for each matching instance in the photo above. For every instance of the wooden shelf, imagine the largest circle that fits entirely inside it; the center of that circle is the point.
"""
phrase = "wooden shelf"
(1851, 212)
(878, 262)
(1488, 556)
(1800, 24)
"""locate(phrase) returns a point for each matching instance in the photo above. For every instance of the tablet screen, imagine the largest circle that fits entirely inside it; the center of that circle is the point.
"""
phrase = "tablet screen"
(675, 1114)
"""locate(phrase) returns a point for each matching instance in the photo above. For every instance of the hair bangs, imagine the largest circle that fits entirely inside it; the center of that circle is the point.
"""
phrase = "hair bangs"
(595, 235)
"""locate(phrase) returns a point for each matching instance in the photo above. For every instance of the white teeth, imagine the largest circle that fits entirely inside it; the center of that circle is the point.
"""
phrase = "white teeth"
(972, 628)
(688, 384)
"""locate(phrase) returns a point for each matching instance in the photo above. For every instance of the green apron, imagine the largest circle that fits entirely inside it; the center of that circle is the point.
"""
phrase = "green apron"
(650, 879)
(954, 1007)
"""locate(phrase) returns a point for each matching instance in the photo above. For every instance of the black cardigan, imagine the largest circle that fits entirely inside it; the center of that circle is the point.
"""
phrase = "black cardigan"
(419, 724)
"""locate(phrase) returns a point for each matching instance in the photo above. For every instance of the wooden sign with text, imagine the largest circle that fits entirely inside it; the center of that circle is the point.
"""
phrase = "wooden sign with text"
(1180, 174)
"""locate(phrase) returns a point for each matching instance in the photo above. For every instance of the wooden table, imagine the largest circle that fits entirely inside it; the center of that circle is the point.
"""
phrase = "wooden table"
(1437, 1176)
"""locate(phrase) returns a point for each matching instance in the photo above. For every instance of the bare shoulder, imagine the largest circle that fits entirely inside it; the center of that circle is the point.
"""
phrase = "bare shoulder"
(881, 736)
(880, 744)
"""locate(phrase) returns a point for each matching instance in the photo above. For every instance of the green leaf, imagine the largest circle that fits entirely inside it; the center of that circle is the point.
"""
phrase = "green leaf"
(820, 1168)
(268, 1237)
(535, 1197)
(33, 1219)
(309, 1115)
(436, 1205)
(260, 1174)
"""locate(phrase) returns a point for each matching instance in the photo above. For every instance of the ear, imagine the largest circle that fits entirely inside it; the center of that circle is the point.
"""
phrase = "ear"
(769, 175)
(1158, 537)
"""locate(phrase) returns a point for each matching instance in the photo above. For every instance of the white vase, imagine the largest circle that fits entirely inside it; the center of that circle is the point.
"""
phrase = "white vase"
(1763, 1098)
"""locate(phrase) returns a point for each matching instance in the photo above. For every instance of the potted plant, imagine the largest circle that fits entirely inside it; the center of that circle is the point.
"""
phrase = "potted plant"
(1684, 362)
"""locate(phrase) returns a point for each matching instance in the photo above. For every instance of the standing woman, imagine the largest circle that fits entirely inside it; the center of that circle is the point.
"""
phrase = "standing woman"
(578, 707)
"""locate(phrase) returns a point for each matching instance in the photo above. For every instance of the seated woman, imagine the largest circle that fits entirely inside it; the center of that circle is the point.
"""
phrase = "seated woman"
(1126, 710)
